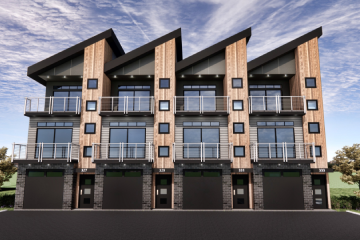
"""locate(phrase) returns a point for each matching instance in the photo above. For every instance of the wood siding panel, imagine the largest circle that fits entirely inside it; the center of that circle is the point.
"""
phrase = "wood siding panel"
(164, 68)
(236, 67)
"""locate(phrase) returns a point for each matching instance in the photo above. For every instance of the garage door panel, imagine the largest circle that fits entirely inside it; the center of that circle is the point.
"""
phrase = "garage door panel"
(192, 192)
(43, 192)
(212, 193)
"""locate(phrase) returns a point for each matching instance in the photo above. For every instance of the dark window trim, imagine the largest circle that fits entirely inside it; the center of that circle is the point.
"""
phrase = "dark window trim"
(159, 151)
(311, 155)
(239, 146)
(310, 78)
(243, 132)
(233, 103)
(164, 101)
(307, 105)
(164, 132)
(54, 128)
(87, 104)
(127, 132)
(232, 82)
(201, 128)
(160, 83)
(97, 83)
(45, 171)
(309, 128)
(275, 127)
(90, 132)
(85, 151)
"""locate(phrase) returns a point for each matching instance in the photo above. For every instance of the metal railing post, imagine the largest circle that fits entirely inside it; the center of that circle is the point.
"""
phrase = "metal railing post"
(119, 152)
(93, 152)
(270, 150)
(286, 157)
(55, 151)
(12, 155)
(217, 150)
(264, 103)
(283, 152)
(299, 151)
(291, 102)
(203, 152)
(122, 152)
(304, 103)
(25, 105)
(99, 107)
(313, 151)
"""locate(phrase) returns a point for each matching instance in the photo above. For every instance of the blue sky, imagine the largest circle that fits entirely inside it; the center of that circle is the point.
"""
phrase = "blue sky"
(31, 31)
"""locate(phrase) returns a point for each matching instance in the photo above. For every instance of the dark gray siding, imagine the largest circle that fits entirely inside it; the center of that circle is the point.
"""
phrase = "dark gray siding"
(212, 65)
(142, 66)
(281, 65)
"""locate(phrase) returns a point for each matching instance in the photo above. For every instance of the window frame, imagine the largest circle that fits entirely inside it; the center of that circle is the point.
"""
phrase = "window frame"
(313, 123)
(239, 147)
(168, 79)
(168, 124)
(306, 86)
(97, 83)
(86, 107)
(232, 82)
(168, 101)
(243, 132)
(307, 105)
(163, 147)
(85, 132)
(233, 105)
(311, 154)
(84, 151)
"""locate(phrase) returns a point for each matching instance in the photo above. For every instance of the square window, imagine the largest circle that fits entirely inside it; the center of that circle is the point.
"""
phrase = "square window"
(163, 191)
(90, 105)
(312, 105)
(238, 128)
(86, 200)
(92, 84)
(163, 127)
(164, 105)
(314, 127)
(87, 182)
(240, 201)
(317, 191)
(163, 200)
(317, 151)
(87, 151)
(317, 182)
(238, 105)
(310, 82)
(240, 191)
(239, 151)
(164, 83)
(90, 128)
(240, 182)
(237, 83)
(163, 151)
(163, 182)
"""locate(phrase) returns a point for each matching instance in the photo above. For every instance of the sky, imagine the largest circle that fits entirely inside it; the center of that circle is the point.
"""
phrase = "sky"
(31, 31)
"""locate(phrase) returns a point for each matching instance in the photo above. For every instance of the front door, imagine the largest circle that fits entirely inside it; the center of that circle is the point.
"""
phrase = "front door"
(319, 191)
(240, 191)
(163, 191)
(86, 199)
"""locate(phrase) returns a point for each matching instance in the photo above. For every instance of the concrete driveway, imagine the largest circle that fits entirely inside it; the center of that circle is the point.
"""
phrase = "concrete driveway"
(178, 225)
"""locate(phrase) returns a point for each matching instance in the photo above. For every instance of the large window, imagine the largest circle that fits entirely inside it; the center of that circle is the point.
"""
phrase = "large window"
(134, 100)
(270, 142)
(193, 101)
(133, 140)
(65, 98)
(194, 136)
(55, 142)
(264, 99)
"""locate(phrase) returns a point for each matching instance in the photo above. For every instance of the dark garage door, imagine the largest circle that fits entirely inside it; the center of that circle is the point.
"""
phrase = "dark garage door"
(122, 189)
(44, 189)
(202, 189)
(283, 189)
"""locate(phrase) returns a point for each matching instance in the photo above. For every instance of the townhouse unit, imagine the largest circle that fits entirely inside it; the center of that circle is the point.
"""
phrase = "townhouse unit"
(148, 129)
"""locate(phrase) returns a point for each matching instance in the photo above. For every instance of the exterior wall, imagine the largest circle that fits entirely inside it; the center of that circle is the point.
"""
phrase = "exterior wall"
(164, 68)
(68, 182)
(258, 183)
(99, 182)
(236, 67)
(212, 65)
(142, 66)
(178, 182)
(308, 65)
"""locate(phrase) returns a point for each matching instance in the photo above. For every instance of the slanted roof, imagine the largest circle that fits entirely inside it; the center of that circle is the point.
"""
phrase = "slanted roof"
(144, 50)
(257, 62)
(197, 57)
(72, 52)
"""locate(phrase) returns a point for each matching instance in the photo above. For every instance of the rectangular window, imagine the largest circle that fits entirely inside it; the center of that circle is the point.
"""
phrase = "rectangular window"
(239, 151)
(312, 105)
(90, 128)
(49, 136)
(291, 174)
(314, 127)
(317, 151)
(35, 173)
(272, 174)
(163, 151)
(289, 123)
(237, 83)
(238, 128)
(164, 105)
(90, 105)
(192, 173)
(54, 174)
(310, 82)
(164, 83)
(41, 124)
(128, 136)
(92, 84)
(213, 173)
(238, 105)
(133, 173)
(113, 173)
(163, 128)
(87, 151)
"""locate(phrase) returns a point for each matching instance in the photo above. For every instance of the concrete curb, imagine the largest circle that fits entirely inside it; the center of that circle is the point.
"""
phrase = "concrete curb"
(353, 212)
(3, 211)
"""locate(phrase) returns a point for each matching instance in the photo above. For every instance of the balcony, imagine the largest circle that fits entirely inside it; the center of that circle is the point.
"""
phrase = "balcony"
(202, 105)
(47, 152)
(283, 152)
(277, 105)
(45, 106)
(110, 106)
(122, 152)
(202, 152)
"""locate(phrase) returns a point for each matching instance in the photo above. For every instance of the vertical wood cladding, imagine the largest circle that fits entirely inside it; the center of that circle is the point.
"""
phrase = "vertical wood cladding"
(95, 56)
(164, 68)
(308, 65)
(236, 67)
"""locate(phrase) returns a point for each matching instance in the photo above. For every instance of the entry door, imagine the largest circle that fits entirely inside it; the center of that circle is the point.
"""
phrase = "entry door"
(240, 191)
(86, 199)
(163, 191)
(319, 191)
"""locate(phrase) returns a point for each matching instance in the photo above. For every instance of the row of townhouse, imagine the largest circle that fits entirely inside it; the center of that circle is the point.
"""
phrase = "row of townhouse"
(148, 129)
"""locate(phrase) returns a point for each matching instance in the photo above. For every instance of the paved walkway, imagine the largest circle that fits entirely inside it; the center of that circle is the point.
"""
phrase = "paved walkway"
(179, 225)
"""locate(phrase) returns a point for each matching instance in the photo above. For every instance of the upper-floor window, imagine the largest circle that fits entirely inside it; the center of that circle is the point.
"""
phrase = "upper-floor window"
(275, 123)
(317, 151)
(133, 87)
(310, 82)
(197, 86)
(137, 99)
(55, 141)
(90, 128)
(264, 99)
(92, 84)
(194, 136)
(270, 142)
(312, 104)
(314, 127)
(164, 83)
(54, 124)
(238, 127)
(164, 128)
(133, 140)
(198, 124)
(127, 124)
(192, 100)
(65, 98)
(238, 105)
(264, 86)
(237, 83)
(164, 105)
(67, 87)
